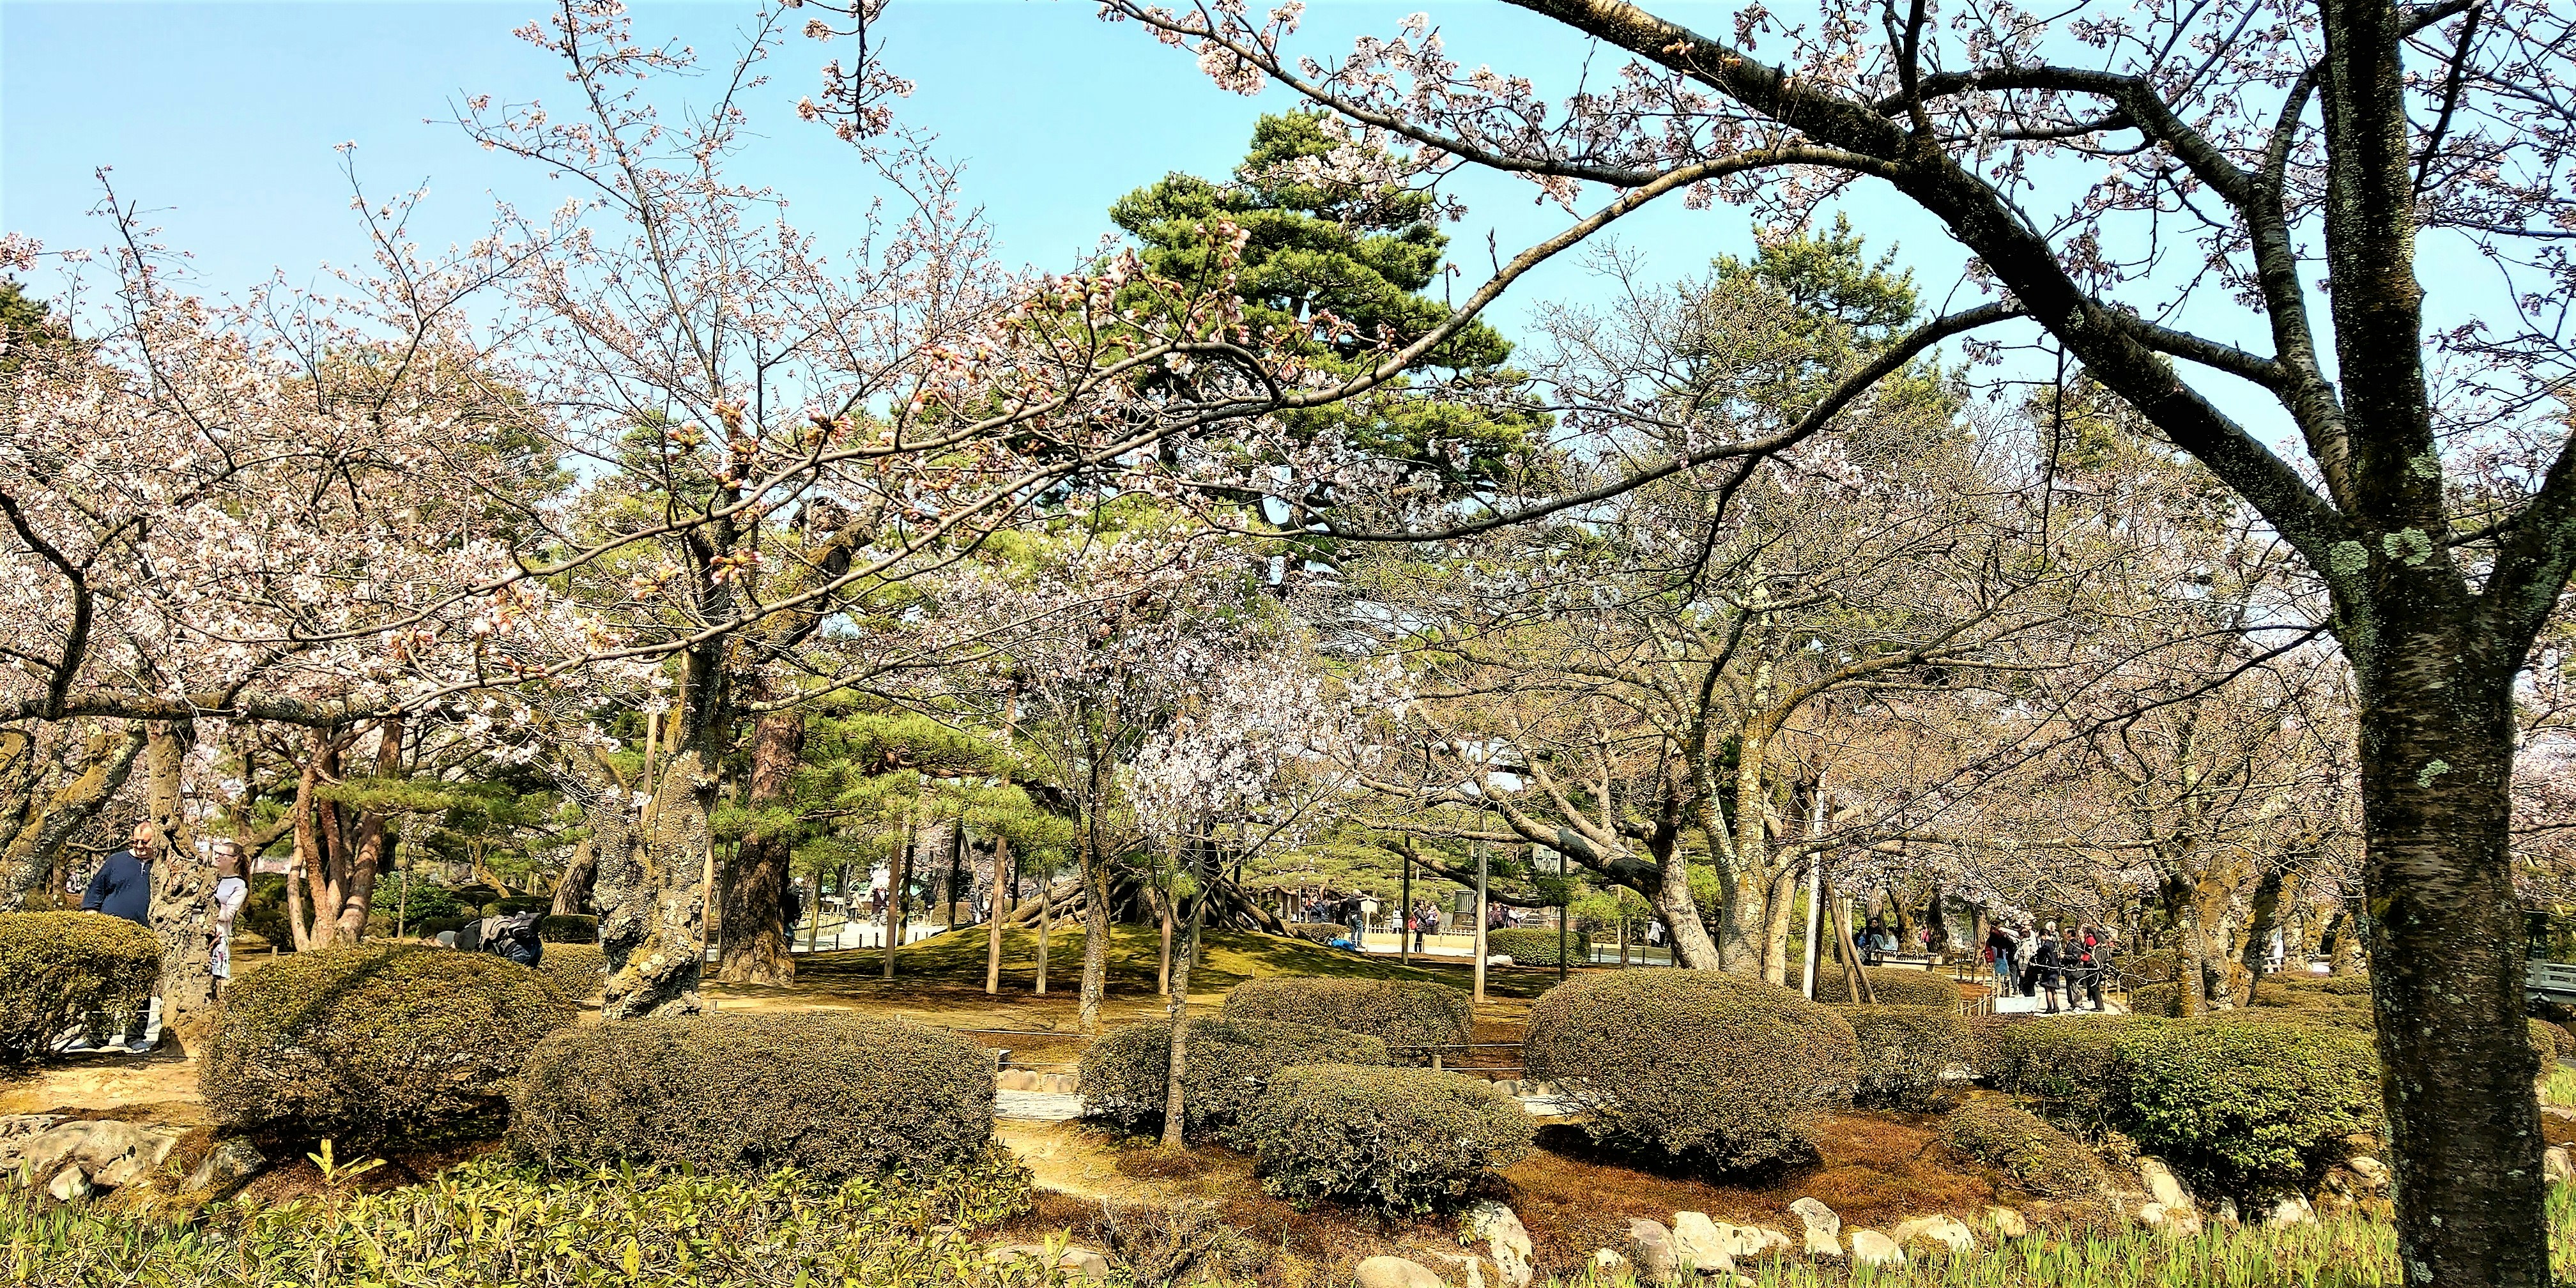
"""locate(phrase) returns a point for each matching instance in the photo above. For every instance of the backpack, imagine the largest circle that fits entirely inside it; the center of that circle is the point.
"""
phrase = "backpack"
(513, 936)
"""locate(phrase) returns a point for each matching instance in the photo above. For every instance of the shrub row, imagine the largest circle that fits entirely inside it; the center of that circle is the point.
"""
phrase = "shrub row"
(1398, 1140)
(1318, 932)
(59, 968)
(1530, 947)
(580, 970)
(1713, 1071)
(1407, 1015)
(2242, 1101)
(1893, 986)
(1126, 1074)
(834, 1095)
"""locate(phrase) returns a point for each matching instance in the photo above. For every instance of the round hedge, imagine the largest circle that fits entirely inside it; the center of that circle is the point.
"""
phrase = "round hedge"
(1318, 932)
(1410, 1016)
(374, 1040)
(834, 1095)
(580, 970)
(1126, 1075)
(2024, 1147)
(1532, 947)
(1716, 1072)
(2249, 1106)
(1893, 985)
(2552, 1042)
(1904, 1050)
(58, 968)
(1397, 1140)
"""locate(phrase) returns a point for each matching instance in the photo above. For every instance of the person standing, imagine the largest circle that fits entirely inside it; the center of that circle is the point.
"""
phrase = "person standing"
(1430, 922)
(1999, 952)
(2047, 965)
(122, 887)
(232, 890)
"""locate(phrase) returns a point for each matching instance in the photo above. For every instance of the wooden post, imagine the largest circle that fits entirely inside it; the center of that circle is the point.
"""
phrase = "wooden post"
(1859, 979)
(1403, 920)
(1481, 952)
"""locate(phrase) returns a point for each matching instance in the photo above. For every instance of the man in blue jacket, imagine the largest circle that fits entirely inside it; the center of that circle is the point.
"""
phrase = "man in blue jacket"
(123, 886)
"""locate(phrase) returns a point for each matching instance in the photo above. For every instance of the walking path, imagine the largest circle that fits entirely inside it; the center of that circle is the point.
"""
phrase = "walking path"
(1065, 1106)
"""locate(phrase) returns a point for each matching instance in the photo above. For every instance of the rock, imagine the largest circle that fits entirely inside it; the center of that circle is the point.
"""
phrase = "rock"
(1701, 1247)
(2290, 1209)
(2008, 1224)
(1506, 1240)
(2226, 1211)
(1946, 1231)
(232, 1162)
(1396, 1272)
(2182, 1221)
(70, 1185)
(1824, 1229)
(1650, 1247)
(1870, 1248)
(1607, 1264)
(2369, 1169)
(2165, 1187)
(1016, 1080)
(46, 1152)
(2556, 1164)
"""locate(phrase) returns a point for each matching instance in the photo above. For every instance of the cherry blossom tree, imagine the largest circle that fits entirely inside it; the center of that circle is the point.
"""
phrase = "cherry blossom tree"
(2302, 160)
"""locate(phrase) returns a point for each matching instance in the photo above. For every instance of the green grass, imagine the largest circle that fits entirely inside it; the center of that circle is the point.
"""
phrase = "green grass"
(1135, 957)
(2558, 1086)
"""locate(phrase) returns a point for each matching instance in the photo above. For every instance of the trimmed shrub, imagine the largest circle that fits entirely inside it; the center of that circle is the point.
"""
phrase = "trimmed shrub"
(1903, 1052)
(2553, 1043)
(1714, 1071)
(375, 1040)
(571, 928)
(1532, 947)
(2038, 1157)
(56, 968)
(1318, 932)
(1398, 1140)
(580, 970)
(1894, 985)
(2069, 1065)
(1126, 1074)
(432, 927)
(1407, 1015)
(2161, 1001)
(834, 1095)
(518, 903)
(2247, 1106)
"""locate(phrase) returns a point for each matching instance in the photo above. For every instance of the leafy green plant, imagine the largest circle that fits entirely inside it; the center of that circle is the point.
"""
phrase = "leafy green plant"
(2247, 1105)
(1412, 1017)
(1533, 947)
(1904, 1053)
(493, 1222)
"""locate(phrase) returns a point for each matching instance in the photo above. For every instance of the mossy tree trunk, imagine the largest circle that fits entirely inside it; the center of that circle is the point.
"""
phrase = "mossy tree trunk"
(44, 814)
(182, 882)
(1177, 998)
(754, 888)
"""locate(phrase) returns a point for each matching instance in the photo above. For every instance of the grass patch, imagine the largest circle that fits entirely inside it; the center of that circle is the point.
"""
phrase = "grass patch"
(2558, 1086)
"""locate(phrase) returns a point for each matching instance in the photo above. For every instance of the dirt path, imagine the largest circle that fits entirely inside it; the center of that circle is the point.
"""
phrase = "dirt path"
(161, 1087)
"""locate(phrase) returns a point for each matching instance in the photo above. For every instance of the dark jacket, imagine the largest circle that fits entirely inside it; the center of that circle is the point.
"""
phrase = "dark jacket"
(122, 888)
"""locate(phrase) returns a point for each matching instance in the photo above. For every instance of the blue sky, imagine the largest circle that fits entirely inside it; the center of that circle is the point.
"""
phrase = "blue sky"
(221, 119)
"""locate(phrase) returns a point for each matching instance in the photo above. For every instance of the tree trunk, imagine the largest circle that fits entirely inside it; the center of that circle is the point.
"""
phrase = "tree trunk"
(755, 889)
(899, 875)
(182, 883)
(1680, 912)
(1175, 1103)
(2446, 950)
(1046, 924)
(1163, 913)
(572, 891)
(652, 895)
(2265, 913)
(1780, 911)
(1095, 934)
(369, 841)
(998, 907)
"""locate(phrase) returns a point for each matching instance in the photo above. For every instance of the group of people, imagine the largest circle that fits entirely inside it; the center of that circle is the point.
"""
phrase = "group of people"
(2041, 963)
(122, 887)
